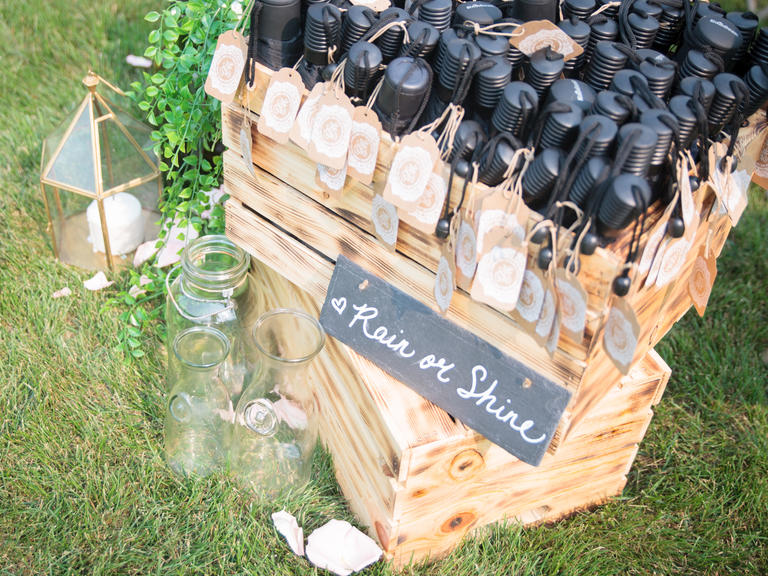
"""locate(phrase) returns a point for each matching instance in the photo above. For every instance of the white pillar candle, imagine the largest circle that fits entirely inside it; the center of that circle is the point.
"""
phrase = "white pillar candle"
(125, 224)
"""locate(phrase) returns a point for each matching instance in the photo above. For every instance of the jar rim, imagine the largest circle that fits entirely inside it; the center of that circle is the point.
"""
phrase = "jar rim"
(216, 279)
(295, 313)
(196, 331)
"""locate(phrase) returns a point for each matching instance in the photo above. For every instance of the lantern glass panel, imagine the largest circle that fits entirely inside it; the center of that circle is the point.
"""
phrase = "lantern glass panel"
(72, 154)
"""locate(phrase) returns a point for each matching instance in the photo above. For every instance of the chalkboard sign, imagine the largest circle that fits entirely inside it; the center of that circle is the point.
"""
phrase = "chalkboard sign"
(496, 395)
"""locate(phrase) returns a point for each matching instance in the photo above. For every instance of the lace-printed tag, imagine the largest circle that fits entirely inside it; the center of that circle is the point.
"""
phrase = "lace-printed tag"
(385, 221)
(410, 171)
(621, 334)
(426, 212)
(466, 254)
(445, 279)
(444, 284)
(364, 141)
(331, 180)
(554, 333)
(730, 187)
(301, 131)
(499, 215)
(531, 298)
(702, 279)
(573, 304)
(331, 127)
(227, 66)
(538, 34)
(499, 275)
(281, 104)
(246, 143)
(546, 317)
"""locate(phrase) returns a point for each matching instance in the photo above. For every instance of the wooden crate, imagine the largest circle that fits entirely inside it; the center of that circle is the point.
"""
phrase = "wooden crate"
(309, 229)
(416, 477)
(420, 480)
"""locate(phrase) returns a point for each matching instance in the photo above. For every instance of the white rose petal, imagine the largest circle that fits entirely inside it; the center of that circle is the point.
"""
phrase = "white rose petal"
(138, 61)
(286, 524)
(171, 252)
(341, 548)
(214, 197)
(291, 413)
(144, 252)
(62, 293)
(98, 282)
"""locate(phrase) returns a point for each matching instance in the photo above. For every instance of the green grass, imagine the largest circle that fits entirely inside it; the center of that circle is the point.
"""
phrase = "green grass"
(83, 487)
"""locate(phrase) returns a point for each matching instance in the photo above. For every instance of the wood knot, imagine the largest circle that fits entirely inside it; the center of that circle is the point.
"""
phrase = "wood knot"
(466, 463)
(462, 521)
(381, 534)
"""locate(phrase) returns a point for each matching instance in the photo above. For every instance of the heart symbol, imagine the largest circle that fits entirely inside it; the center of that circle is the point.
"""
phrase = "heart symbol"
(339, 304)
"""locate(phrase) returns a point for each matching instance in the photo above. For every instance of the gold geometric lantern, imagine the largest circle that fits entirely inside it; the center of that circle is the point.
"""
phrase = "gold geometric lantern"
(101, 182)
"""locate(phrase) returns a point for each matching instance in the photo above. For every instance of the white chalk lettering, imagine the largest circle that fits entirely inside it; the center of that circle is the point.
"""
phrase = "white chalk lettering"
(430, 361)
(380, 334)
(480, 374)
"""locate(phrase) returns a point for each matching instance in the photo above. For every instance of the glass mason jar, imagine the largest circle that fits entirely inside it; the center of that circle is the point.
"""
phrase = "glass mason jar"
(275, 429)
(198, 419)
(215, 289)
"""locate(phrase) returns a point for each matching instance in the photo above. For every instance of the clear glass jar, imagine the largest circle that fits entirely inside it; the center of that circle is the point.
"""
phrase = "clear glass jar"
(275, 429)
(198, 420)
(216, 289)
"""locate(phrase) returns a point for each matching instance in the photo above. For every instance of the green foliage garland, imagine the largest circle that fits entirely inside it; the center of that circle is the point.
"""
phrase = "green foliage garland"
(186, 136)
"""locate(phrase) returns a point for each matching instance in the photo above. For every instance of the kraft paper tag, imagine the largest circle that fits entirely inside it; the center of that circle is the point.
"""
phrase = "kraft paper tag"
(573, 304)
(364, 138)
(651, 249)
(385, 221)
(301, 131)
(466, 254)
(495, 217)
(546, 318)
(246, 143)
(331, 126)
(702, 279)
(539, 34)
(281, 104)
(687, 204)
(672, 260)
(411, 169)
(427, 210)
(445, 279)
(331, 180)
(730, 187)
(499, 274)
(444, 284)
(736, 198)
(675, 251)
(531, 298)
(554, 333)
(227, 66)
(621, 334)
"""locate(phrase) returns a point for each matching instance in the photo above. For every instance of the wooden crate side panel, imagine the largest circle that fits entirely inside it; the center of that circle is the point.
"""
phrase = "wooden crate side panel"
(439, 524)
(303, 218)
(475, 460)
